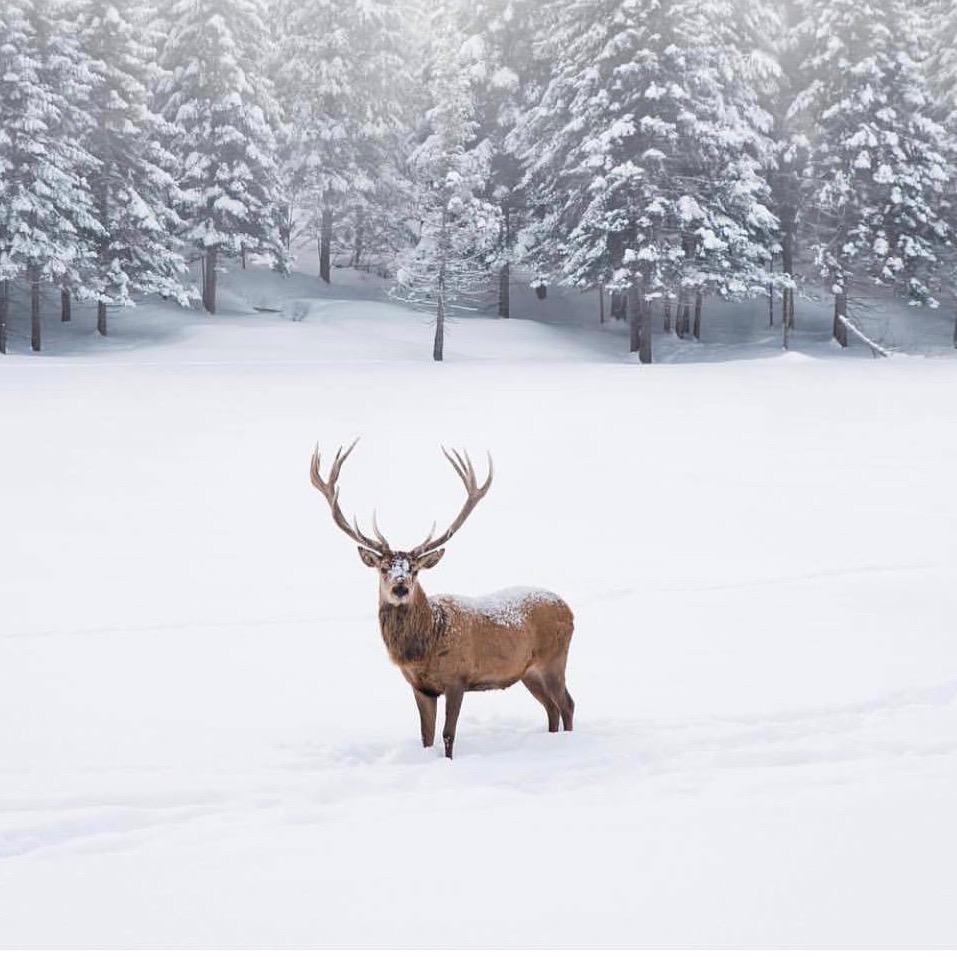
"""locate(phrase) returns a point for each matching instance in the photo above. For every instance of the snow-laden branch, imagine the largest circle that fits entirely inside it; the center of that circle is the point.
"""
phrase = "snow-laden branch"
(874, 347)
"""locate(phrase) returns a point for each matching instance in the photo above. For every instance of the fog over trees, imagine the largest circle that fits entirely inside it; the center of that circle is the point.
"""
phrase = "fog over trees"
(666, 153)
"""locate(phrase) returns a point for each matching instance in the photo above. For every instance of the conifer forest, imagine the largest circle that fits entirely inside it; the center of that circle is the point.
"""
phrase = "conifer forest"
(662, 154)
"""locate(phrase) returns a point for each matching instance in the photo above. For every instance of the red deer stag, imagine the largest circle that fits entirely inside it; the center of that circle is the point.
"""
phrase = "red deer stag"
(447, 645)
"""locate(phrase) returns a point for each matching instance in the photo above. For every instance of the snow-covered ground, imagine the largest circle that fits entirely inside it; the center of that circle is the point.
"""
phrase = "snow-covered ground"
(202, 741)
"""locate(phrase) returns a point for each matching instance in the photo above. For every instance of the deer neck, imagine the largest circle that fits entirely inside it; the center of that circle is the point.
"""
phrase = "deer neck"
(411, 631)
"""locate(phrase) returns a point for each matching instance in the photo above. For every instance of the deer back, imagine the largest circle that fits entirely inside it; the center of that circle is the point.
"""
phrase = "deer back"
(490, 642)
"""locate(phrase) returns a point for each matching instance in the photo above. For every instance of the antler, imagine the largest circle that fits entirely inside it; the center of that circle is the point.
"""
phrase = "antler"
(475, 493)
(330, 492)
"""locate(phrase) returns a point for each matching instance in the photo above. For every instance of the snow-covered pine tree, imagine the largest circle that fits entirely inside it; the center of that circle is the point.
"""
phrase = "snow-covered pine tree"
(592, 170)
(45, 204)
(943, 63)
(19, 88)
(877, 157)
(62, 47)
(942, 15)
(449, 264)
(507, 79)
(343, 73)
(643, 156)
(138, 252)
(220, 103)
(775, 28)
(722, 210)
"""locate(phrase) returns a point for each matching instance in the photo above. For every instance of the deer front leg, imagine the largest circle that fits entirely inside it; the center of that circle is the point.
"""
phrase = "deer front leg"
(453, 704)
(428, 705)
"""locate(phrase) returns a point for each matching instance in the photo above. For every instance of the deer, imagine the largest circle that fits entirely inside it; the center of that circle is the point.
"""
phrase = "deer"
(446, 645)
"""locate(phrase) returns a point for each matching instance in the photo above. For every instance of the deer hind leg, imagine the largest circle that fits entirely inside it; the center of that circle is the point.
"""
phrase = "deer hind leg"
(555, 683)
(534, 682)
(568, 711)
(428, 705)
(453, 704)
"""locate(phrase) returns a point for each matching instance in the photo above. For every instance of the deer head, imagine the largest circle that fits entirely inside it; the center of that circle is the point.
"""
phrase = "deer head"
(398, 570)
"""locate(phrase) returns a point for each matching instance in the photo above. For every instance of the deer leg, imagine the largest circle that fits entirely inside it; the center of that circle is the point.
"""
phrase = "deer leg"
(555, 683)
(453, 704)
(537, 687)
(568, 711)
(428, 705)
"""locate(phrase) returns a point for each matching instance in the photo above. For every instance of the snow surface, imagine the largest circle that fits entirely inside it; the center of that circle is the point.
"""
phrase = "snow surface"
(203, 742)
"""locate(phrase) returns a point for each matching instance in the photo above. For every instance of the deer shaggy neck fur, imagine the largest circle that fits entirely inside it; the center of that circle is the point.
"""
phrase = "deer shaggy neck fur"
(412, 630)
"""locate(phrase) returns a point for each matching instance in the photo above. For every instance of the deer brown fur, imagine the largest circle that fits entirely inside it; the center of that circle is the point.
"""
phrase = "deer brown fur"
(447, 645)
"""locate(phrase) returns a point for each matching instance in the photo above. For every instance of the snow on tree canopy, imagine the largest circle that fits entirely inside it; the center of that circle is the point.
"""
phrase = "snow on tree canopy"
(879, 217)
(223, 117)
(666, 119)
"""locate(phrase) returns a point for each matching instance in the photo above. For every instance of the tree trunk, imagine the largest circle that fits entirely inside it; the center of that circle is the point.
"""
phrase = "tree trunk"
(619, 304)
(840, 309)
(325, 244)
(644, 335)
(285, 231)
(787, 267)
(504, 275)
(66, 303)
(242, 255)
(209, 281)
(360, 238)
(698, 302)
(33, 274)
(601, 303)
(785, 322)
(771, 293)
(667, 311)
(4, 308)
(439, 344)
(104, 251)
(682, 314)
(634, 316)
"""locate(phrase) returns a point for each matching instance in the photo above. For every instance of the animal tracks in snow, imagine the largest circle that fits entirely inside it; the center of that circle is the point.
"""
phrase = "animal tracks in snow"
(908, 734)
(88, 826)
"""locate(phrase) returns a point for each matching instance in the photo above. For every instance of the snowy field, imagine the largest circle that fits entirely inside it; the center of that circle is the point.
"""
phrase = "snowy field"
(203, 742)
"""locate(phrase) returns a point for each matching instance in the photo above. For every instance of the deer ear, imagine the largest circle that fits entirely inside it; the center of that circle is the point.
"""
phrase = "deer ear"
(369, 558)
(432, 559)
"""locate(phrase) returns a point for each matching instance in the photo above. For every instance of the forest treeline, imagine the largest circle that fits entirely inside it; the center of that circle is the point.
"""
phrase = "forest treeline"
(662, 151)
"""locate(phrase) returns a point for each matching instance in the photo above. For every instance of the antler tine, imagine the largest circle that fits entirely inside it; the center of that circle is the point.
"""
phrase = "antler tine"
(380, 544)
(330, 491)
(378, 534)
(466, 464)
(491, 472)
(415, 551)
(457, 465)
(340, 461)
(474, 494)
(314, 465)
(355, 525)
